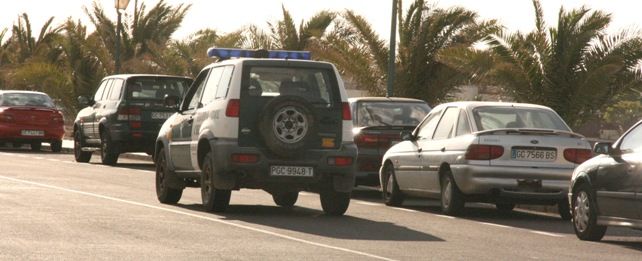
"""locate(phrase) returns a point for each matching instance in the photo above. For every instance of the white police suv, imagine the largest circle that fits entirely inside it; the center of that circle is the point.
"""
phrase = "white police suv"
(271, 120)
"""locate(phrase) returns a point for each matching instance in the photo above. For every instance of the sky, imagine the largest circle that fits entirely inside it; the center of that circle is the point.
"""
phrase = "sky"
(228, 16)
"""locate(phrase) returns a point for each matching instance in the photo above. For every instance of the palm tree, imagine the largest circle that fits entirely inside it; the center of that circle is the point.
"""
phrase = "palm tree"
(575, 68)
(284, 35)
(25, 46)
(189, 56)
(145, 33)
(425, 34)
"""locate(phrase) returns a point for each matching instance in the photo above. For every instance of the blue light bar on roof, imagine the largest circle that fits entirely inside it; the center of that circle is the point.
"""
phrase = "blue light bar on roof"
(226, 53)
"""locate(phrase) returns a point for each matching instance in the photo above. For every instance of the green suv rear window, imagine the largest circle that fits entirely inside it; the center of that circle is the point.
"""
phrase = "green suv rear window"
(314, 85)
(155, 88)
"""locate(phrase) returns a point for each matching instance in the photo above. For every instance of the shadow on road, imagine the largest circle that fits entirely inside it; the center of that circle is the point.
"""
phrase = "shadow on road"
(519, 218)
(315, 222)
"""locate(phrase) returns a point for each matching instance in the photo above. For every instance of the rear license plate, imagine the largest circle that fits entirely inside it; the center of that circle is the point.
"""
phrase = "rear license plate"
(533, 154)
(159, 115)
(36, 133)
(291, 171)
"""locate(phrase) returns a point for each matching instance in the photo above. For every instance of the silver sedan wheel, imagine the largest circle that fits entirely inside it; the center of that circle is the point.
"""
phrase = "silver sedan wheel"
(446, 197)
(389, 184)
(290, 125)
(581, 211)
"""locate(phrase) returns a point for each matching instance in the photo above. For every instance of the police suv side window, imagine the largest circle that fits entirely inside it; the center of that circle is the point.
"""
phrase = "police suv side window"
(224, 83)
(193, 96)
(209, 92)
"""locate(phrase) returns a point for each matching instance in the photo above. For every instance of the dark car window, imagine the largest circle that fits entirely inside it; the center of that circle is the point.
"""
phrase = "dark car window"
(314, 85)
(155, 88)
(633, 140)
(428, 127)
(446, 124)
(116, 89)
(500, 117)
(193, 96)
(26, 99)
(99, 93)
(385, 113)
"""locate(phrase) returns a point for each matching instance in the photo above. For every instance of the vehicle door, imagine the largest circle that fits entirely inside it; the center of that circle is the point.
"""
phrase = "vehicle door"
(619, 178)
(109, 102)
(409, 164)
(181, 137)
(433, 151)
(207, 108)
(88, 121)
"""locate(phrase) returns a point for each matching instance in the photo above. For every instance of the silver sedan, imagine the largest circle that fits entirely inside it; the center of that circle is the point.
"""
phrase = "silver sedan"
(502, 153)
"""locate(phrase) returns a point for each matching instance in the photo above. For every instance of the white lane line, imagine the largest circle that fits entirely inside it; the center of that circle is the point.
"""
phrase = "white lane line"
(546, 233)
(444, 216)
(197, 216)
(495, 225)
(405, 209)
(367, 203)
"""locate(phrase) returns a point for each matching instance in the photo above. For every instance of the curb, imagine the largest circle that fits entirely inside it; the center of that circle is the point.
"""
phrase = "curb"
(135, 156)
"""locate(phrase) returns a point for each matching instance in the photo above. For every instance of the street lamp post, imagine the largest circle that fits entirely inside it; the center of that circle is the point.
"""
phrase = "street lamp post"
(120, 5)
(391, 55)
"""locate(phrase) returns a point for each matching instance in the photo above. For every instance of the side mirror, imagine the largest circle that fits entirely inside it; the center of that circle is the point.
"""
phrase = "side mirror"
(407, 135)
(82, 100)
(171, 101)
(602, 148)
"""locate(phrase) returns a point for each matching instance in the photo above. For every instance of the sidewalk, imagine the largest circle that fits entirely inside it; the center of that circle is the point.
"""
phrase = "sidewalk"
(68, 147)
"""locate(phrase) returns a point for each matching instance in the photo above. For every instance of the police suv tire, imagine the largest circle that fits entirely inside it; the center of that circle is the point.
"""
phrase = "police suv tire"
(334, 203)
(214, 200)
(285, 199)
(165, 194)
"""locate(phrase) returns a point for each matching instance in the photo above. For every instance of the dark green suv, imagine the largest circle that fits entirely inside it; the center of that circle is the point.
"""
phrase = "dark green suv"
(125, 115)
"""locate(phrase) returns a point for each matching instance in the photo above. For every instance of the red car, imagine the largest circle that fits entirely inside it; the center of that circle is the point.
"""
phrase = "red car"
(30, 117)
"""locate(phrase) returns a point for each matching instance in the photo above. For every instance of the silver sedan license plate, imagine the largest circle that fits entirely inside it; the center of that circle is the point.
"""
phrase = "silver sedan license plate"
(291, 171)
(37, 133)
(534, 154)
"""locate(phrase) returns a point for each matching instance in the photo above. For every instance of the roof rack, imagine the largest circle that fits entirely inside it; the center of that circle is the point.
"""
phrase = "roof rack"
(227, 53)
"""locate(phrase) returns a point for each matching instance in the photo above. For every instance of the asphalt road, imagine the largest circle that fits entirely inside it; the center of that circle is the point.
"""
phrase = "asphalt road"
(53, 208)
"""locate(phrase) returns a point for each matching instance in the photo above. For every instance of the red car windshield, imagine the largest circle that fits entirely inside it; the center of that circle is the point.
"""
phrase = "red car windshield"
(390, 113)
(26, 99)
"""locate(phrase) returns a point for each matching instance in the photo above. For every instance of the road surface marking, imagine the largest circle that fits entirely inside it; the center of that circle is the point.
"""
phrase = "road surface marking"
(360, 202)
(405, 209)
(267, 232)
(495, 225)
(444, 216)
(546, 233)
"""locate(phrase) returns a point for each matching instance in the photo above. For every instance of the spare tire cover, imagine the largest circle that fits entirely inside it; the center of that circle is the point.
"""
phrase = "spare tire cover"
(286, 124)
